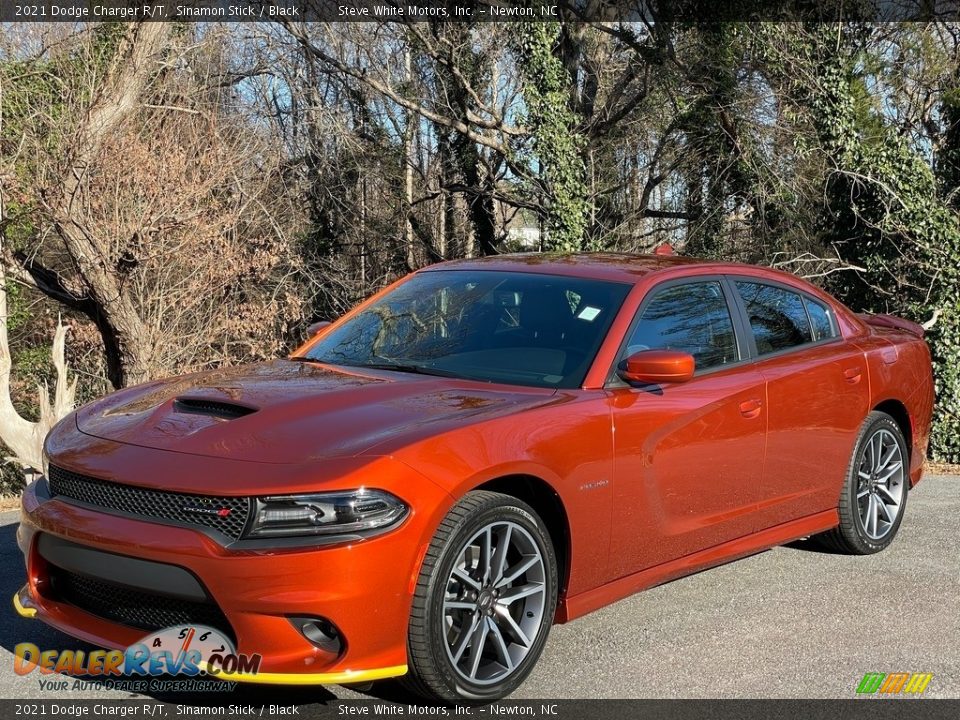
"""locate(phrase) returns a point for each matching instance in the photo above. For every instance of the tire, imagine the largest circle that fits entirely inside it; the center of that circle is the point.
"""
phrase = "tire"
(866, 527)
(458, 601)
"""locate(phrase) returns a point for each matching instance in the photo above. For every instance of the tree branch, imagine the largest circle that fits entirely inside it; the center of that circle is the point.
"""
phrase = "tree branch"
(364, 77)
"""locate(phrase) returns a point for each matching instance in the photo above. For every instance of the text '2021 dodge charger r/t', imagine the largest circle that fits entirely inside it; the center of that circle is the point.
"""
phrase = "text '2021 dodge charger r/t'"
(482, 449)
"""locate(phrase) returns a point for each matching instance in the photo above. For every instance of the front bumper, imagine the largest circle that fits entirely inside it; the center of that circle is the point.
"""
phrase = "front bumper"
(364, 589)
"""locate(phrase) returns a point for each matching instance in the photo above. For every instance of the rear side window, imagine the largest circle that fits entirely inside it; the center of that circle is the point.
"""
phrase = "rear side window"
(821, 320)
(692, 318)
(777, 317)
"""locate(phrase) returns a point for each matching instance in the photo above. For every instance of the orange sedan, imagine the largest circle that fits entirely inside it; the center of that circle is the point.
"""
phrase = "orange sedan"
(482, 449)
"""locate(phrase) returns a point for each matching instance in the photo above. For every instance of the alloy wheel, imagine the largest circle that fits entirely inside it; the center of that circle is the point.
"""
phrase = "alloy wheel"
(880, 489)
(494, 603)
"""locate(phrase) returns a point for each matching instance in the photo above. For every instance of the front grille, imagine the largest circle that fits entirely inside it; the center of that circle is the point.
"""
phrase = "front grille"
(198, 510)
(133, 608)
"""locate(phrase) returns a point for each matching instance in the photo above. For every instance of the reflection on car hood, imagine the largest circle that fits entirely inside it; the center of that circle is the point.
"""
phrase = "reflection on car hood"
(285, 412)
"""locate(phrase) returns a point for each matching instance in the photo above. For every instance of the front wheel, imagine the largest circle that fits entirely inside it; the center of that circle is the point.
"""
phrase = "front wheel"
(484, 602)
(874, 495)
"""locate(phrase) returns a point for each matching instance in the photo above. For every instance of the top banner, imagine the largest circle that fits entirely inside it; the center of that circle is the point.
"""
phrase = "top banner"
(478, 11)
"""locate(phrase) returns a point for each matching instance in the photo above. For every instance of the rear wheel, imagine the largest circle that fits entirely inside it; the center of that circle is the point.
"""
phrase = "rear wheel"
(874, 495)
(484, 601)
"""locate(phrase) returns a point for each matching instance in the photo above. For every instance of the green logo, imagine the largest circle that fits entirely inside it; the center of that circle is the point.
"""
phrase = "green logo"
(894, 683)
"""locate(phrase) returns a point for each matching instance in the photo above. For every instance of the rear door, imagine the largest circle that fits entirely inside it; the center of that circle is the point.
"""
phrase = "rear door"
(817, 398)
(688, 456)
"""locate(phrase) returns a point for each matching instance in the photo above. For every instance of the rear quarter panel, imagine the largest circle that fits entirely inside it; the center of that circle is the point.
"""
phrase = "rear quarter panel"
(900, 369)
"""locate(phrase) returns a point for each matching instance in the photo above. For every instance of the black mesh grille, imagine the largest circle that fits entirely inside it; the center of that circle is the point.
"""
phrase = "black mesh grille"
(134, 608)
(199, 510)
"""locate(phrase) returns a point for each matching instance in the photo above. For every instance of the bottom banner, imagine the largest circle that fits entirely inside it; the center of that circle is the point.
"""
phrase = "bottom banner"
(865, 708)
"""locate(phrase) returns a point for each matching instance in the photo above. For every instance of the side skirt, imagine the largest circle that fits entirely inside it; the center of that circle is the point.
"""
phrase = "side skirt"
(586, 602)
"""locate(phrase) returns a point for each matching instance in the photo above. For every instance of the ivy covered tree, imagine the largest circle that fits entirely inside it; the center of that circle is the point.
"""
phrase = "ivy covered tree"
(884, 211)
(556, 143)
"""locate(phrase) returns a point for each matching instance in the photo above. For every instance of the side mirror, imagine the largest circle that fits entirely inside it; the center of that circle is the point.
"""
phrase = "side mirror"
(656, 367)
(316, 327)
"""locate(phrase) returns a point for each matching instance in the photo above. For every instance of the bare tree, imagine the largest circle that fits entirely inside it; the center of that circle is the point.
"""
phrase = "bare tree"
(160, 214)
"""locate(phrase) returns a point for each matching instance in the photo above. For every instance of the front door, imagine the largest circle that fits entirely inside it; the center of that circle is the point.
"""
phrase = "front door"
(689, 456)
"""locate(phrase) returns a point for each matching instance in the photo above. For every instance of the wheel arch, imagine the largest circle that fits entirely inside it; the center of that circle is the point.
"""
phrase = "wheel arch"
(546, 501)
(898, 411)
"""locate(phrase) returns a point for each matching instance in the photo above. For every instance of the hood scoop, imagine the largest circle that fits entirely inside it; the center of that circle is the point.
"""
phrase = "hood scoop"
(212, 408)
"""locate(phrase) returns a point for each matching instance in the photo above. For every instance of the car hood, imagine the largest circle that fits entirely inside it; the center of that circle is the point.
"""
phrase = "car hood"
(290, 412)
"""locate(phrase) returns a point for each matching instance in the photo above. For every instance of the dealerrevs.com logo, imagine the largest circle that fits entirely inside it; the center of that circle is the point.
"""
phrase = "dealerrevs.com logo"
(182, 651)
(898, 683)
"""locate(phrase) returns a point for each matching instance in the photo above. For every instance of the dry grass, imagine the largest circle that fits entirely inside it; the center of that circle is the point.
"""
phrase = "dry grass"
(9, 502)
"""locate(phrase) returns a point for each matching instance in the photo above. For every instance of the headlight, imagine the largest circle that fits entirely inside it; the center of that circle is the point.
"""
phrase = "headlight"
(333, 513)
(45, 467)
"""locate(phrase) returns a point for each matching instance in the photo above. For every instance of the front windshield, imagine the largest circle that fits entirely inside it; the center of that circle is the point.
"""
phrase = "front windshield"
(507, 327)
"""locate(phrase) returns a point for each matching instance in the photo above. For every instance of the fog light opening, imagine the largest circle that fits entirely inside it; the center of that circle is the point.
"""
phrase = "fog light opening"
(321, 633)
(38, 574)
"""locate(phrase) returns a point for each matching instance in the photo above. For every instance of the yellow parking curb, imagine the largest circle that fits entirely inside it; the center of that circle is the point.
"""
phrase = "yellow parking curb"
(22, 610)
(335, 678)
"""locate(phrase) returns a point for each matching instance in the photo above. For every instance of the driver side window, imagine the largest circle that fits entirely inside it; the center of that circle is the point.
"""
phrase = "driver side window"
(693, 318)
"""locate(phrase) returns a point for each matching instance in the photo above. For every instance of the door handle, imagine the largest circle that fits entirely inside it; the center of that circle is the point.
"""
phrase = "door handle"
(750, 408)
(853, 375)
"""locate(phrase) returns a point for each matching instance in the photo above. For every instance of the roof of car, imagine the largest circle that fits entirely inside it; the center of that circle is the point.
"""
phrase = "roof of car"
(611, 266)
(632, 268)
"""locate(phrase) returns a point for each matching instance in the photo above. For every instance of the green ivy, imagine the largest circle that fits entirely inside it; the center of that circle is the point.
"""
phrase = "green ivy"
(557, 143)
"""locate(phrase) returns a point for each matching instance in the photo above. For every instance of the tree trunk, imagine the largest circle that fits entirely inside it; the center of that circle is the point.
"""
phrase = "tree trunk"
(448, 215)
(479, 197)
(409, 158)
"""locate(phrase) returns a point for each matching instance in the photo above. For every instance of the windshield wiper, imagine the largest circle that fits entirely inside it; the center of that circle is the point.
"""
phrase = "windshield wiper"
(408, 368)
(395, 367)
